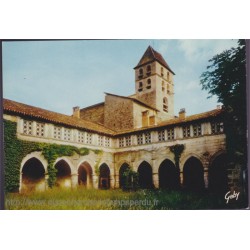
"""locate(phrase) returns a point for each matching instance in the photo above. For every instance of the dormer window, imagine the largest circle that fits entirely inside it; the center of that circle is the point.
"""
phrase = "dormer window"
(149, 84)
(165, 104)
(148, 70)
(140, 73)
(162, 74)
(140, 86)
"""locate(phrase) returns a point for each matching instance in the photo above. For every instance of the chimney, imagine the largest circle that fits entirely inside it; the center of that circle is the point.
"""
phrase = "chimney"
(76, 112)
(182, 113)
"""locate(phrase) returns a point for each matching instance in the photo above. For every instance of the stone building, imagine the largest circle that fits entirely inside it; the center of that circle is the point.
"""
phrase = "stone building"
(124, 132)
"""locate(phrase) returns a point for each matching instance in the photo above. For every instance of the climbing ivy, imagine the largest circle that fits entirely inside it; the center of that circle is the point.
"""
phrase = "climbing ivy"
(15, 150)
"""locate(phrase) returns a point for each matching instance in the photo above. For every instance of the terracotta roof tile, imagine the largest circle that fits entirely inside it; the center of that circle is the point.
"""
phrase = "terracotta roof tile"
(27, 110)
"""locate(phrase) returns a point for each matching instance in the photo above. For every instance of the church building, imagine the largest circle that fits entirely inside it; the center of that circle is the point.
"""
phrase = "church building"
(140, 132)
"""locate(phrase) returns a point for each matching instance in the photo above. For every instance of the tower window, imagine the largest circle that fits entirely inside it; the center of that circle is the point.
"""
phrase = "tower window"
(165, 104)
(140, 86)
(163, 86)
(149, 84)
(168, 76)
(162, 73)
(148, 70)
(140, 73)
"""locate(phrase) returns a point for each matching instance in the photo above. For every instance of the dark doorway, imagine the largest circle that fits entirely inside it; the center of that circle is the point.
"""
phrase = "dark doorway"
(104, 177)
(33, 175)
(145, 176)
(122, 179)
(85, 175)
(168, 175)
(63, 175)
(217, 175)
(193, 175)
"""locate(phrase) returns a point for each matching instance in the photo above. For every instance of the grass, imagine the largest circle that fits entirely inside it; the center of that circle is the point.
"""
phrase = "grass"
(89, 199)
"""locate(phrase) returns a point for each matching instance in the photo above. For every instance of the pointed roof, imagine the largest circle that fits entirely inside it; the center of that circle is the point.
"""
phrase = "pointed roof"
(151, 55)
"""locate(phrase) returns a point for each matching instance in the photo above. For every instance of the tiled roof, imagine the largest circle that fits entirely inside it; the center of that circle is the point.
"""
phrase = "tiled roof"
(27, 110)
(177, 120)
(151, 55)
(17, 108)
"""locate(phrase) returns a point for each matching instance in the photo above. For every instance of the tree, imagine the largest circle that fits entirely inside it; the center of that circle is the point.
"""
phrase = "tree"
(226, 78)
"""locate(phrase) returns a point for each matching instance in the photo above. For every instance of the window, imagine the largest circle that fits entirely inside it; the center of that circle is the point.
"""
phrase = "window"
(148, 70)
(197, 129)
(128, 140)
(107, 142)
(140, 139)
(67, 133)
(165, 104)
(81, 137)
(162, 72)
(27, 127)
(88, 138)
(57, 132)
(149, 84)
(147, 137)
(168, 76)
(170, 133)
(168, 89)
(100, 140)
(121, 142)
(140, 73)
(140, 86)
(163, 86)
(217, 127)
(161, 135)
(186, 131)
(39, 129)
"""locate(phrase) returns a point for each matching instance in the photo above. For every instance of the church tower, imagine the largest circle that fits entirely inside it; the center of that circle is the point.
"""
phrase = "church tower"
(154, 83)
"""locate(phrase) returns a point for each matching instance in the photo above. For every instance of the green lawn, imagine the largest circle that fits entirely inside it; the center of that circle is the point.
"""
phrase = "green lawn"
(112, 199)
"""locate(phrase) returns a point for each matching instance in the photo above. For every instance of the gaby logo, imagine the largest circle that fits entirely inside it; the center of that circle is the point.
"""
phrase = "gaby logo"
(229, 196)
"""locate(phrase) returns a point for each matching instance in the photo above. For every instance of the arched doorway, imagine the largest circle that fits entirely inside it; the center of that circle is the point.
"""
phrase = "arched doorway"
(193, 175)
(122, 179)
(168, 175)
(145, 176)
(217, 175)
(63, 175)
(85, 175)
(104, 177)
(33, 176)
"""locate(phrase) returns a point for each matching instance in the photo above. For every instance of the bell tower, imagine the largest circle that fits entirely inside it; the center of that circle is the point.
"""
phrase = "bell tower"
(154, 83)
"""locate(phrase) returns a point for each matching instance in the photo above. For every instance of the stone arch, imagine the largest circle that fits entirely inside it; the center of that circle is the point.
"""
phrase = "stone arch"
(125, 166)
(32, 175)
(145, 175)
(217, 173)
(185, 157)
(168, 175)
(64, 171)
(85, 174)
(193, 174)
(104, 176)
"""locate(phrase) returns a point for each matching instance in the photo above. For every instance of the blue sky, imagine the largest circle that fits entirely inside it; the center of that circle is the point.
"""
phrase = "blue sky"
(58, 75)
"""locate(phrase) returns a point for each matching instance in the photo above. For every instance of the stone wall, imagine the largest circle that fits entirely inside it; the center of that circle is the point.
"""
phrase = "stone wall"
(94, 113)
(118, 113)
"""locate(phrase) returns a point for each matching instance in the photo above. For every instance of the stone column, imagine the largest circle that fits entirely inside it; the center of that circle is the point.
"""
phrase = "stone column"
(46, 177)
(112, 181)
(181, 179)
(95, 179)
(156, 180)
(74, 180)
(206, 177)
